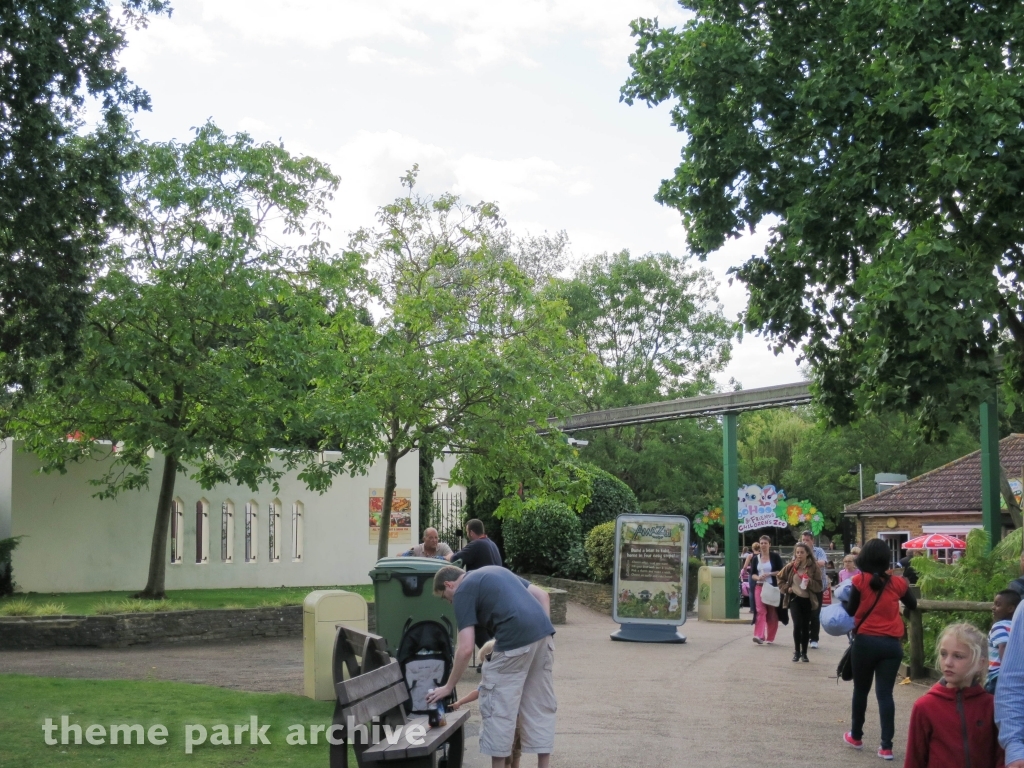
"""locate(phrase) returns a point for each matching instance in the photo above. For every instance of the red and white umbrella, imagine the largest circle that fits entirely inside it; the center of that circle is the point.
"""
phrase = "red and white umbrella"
(936, 541)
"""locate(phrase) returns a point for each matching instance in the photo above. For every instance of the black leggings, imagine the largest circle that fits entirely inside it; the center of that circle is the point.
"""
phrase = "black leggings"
(875, 657)
(800, 613)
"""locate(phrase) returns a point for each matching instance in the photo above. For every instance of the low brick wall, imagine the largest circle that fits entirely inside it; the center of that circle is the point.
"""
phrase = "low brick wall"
(595, 596)
(126, 629)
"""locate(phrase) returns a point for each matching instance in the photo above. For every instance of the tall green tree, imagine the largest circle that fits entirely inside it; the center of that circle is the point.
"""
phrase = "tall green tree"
(655, 325)
(59, 185)
(767, 441)
(823, 458)
(881, 144)
(467, 355)
(200, 338)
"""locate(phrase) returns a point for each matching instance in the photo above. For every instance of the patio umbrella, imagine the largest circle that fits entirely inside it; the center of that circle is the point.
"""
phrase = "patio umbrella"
(935, 541)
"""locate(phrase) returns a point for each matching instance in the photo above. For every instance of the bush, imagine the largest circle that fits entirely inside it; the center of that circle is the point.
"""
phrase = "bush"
(541, 538)
(7, 547)
(609, 498)
(600, 549)
(575, 566)
(691, 581)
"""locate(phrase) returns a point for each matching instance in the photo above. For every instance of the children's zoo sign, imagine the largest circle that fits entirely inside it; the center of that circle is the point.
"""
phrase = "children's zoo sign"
(764, 507)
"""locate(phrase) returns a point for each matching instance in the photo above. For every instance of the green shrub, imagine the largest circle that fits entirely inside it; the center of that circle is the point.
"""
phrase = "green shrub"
(609, 498)
(50, 609)
(541, 538)
(19, 607)
(7, 547)
(600, 548)
(575, 565)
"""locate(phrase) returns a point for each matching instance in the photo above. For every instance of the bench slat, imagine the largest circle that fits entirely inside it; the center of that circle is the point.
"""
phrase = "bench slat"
(434, 738)
(377, 704)
(437, 736)
(356, 688)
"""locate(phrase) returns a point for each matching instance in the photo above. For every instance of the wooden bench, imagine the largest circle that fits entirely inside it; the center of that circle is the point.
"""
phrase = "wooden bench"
(375, 688)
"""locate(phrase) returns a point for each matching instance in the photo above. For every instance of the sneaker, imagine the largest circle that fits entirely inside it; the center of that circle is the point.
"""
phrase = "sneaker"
(803, 657)
(796, 657)
(814, 643)
(852, 742)
(769, 642)
(885, 754)
(758, 640)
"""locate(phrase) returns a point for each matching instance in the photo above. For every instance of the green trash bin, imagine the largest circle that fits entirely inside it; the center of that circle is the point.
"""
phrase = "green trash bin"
(403, 589)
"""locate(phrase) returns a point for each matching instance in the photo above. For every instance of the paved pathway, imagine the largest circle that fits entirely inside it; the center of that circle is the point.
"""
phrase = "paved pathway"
(718, 700)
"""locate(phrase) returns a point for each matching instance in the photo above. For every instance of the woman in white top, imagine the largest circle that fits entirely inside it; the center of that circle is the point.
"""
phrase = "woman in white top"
(764, 566)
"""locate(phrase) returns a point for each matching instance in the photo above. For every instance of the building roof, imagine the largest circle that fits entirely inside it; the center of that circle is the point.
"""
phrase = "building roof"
(953, 487)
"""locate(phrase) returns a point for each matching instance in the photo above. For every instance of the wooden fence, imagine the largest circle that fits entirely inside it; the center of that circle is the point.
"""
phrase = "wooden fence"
(915, 628)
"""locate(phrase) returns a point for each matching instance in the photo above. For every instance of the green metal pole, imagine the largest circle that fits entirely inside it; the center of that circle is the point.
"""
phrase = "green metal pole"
(991, 515)
(730, 486)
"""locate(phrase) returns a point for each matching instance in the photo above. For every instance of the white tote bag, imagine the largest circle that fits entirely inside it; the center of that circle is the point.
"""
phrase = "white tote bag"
(770, 594)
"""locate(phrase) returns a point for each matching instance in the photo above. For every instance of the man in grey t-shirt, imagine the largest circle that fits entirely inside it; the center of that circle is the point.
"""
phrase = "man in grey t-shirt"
(516, 683)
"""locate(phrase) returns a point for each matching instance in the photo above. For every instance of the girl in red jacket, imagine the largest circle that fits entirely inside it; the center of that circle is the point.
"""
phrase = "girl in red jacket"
(952, 726)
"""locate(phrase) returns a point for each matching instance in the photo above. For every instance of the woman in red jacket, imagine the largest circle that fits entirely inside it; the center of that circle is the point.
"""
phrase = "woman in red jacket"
(952, 726)
(877, 643)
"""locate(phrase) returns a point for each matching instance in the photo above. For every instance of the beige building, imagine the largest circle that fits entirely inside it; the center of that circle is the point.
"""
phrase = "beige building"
(227, 536)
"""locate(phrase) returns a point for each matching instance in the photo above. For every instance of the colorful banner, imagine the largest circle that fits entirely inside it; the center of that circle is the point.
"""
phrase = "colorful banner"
(400, 531)
(764, 507)
(650, 569)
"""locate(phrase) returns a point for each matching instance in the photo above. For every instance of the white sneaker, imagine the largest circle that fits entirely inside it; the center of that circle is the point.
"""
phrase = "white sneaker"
(814, 645)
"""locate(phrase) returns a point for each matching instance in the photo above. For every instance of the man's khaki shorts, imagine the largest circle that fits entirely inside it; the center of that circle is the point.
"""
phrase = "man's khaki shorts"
(519, 683)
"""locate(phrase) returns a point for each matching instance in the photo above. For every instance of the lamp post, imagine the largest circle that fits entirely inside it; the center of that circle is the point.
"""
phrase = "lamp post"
(858, 470)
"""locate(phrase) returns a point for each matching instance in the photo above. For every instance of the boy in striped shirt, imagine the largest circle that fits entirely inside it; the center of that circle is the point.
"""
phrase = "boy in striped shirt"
(1002, 612)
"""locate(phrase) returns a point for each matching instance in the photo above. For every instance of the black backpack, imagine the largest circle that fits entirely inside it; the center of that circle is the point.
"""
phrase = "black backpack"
(425, 656)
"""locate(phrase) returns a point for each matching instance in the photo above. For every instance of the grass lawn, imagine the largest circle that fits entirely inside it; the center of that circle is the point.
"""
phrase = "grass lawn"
(26, 702)
(86, 603)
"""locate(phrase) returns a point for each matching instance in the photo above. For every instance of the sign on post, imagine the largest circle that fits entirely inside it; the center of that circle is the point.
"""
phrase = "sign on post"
(651, 564)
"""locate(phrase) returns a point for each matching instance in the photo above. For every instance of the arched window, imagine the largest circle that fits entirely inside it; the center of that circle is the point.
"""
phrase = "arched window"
(251, 531)
(227, 531)
(177, 531)
(298, 512)
(202, 532)
(274, 527)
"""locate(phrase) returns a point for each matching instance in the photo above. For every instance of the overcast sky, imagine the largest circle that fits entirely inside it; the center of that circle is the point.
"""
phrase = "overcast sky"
(511, 101)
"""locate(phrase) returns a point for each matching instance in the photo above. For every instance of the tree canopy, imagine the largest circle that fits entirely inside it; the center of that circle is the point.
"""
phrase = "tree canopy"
(881, 144)
(200, 340)
(467, 355)
(59, 185)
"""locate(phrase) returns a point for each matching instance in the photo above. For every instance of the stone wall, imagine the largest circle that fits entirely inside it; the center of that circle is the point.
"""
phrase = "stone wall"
(595, 596)
(122, 630)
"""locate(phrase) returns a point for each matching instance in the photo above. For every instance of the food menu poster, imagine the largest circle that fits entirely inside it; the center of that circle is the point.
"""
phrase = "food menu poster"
(650, 569)
(400, 531)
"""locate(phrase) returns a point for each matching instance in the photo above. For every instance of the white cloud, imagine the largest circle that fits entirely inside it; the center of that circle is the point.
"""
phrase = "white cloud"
(481, 32)
(165, 37)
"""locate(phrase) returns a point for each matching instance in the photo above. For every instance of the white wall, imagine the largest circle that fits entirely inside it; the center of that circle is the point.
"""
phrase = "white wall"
(75, 542)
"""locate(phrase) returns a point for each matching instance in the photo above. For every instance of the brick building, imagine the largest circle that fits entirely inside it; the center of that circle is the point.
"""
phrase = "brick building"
(946, 500)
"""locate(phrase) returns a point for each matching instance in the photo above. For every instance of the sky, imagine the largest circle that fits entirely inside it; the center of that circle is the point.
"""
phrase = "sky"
(515, 102)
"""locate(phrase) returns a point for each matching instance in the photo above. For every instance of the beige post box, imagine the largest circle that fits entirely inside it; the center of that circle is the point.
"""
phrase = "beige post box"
(322, 612)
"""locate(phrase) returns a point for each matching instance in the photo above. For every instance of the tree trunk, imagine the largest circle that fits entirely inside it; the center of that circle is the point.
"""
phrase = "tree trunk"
(158, 551)
(389, 496)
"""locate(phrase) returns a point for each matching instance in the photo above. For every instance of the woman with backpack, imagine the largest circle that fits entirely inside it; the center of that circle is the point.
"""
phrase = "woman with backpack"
(877, 640)
(801, 580)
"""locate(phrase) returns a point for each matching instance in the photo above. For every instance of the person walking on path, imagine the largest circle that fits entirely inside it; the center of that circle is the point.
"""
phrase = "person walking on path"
(849, 568)
(952, 725)
(1010, 691)
(818, 555)
(801, 580)
(764, 566)
(517, 683)
(745, 574)
(480, 551)
(877, 642)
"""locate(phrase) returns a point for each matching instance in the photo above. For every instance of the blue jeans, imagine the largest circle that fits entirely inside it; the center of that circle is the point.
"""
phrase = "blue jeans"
(879, 658)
